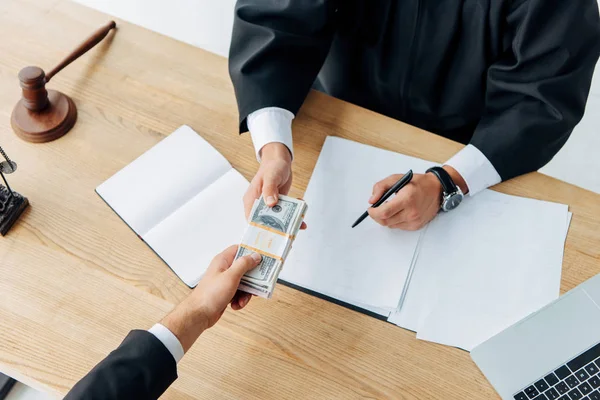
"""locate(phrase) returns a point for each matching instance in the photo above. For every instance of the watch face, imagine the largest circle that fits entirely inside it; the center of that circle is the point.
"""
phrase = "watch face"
(452, 201)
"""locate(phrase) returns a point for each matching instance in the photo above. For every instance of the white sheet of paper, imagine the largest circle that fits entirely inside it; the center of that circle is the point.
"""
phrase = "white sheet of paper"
(419, 293)
(162, 179)
(507, 265)
(388, 312)
(188, 239)
(368, 264)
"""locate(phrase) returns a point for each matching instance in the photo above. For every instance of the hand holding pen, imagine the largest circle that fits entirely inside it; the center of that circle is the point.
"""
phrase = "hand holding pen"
(395, 188)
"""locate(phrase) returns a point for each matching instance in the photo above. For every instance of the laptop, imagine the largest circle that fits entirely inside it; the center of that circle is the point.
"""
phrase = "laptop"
(552, 354)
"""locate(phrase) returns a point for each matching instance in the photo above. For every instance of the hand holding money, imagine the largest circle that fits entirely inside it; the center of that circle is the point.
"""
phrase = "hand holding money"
(270, 232)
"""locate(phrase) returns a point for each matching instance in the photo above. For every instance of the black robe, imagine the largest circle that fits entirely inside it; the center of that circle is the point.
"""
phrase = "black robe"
(510, 77)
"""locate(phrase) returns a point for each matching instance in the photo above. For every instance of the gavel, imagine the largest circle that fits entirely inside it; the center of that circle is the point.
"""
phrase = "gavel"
(43, 115)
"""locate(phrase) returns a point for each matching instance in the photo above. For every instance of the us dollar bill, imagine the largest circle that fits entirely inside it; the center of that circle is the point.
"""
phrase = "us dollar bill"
(271, 232)
(281, 217)
(263, 271)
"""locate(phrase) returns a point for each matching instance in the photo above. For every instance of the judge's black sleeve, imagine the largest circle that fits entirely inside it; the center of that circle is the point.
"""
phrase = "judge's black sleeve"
(140, 368)
(537, 91)
(277, 49)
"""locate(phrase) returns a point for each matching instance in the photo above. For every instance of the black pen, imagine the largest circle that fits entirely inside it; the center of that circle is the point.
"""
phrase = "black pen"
(393, 190)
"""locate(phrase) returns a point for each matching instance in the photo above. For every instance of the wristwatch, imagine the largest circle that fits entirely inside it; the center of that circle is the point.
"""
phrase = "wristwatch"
(452, 196)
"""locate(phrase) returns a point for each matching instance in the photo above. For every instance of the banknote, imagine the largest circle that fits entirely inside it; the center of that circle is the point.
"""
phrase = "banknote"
(281, 217)
(270, 232)
(263, 271)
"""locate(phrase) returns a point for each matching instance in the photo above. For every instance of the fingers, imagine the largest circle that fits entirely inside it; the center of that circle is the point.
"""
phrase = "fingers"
(270, 189)
(244, 264)
(222, 261)
(229, 254)
(382, 186)
(405, 220)
(285, 189)
(388, 211)
(407, 226)
(400, 209)
(244, 300)
(303, 225)
(399, 213)
(240, 300)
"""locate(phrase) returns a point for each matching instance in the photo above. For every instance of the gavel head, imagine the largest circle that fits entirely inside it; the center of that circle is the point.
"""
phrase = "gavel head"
(33, 83)
(41, 115)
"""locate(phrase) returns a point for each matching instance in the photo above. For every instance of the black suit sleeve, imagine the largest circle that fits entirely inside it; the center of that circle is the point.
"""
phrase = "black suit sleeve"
(277, 49)
(536, 93)
(140, 368)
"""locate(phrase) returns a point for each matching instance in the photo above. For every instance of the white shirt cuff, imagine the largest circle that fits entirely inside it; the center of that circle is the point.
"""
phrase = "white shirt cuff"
(170, 341)
(268, 125)
(477, 171)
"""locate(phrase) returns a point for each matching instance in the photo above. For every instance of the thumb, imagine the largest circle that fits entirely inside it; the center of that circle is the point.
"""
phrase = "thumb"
(270, 190)
(244, 264)
(382, 186)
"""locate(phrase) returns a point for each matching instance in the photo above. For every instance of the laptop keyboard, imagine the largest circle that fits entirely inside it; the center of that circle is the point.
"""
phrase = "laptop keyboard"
(578, 379)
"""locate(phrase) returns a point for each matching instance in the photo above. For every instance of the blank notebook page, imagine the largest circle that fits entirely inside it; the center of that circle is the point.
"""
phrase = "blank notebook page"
(163, 179)
(188, 239)
(184, 199)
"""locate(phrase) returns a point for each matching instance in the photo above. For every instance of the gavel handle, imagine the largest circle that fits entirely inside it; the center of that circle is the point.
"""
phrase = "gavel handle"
(82, 48)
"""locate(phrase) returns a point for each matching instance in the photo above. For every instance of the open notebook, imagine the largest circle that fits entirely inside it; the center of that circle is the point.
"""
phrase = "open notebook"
(183, 199)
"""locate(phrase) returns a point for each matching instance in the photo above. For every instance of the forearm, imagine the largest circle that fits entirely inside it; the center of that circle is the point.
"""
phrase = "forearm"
(186, 324)
(145, 364)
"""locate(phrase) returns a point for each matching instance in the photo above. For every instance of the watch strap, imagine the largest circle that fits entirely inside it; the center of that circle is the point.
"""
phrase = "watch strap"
(445, 179)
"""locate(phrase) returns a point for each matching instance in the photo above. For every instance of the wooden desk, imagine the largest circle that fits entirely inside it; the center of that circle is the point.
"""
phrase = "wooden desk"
(74, 279)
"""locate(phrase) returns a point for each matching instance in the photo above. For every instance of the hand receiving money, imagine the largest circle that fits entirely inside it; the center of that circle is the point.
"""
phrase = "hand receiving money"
(274, 177)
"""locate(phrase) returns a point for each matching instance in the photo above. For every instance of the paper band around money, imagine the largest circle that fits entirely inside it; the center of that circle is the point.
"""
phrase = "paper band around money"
(259, 251)
(266, 228)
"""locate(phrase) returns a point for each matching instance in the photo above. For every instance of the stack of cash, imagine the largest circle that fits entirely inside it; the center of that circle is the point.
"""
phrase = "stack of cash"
(270, 232)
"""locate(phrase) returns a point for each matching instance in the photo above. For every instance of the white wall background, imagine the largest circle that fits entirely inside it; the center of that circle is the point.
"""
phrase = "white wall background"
(203, 23)
(207, 24)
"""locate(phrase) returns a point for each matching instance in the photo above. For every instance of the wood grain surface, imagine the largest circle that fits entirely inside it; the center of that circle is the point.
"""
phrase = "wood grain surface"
(74, 279)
